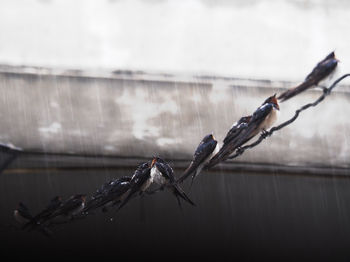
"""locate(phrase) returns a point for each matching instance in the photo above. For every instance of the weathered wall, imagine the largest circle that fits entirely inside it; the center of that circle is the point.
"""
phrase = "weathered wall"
(139, 115)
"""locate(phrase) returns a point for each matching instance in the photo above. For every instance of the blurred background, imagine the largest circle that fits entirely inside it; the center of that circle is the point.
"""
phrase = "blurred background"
(90, 89)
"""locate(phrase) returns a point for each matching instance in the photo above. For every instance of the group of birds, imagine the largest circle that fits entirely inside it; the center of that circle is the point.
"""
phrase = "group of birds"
(208, 154)
(118, 192)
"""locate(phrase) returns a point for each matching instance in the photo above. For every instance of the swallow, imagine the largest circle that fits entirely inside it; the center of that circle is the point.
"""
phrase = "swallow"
(69, 208)
(22, 213)
(229, 142)
(321, 71)
(54, 204)
(163, 175)
(262, 119)
(206, 149)
(110, 194)
(23, 216)
(140, 181)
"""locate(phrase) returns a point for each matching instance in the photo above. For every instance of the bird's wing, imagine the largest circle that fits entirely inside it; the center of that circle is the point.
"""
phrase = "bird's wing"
(202, 152)
(116, 192)
(228, 146)
(322, 70)
(67, 207)
(166, 171)
(46, 212)
(139, 178)
(252, 128)
(233, 132)
(113, 194)
(25, 212)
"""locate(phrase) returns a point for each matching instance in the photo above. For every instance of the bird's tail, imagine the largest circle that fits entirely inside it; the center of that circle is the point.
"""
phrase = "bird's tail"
(186, 173)
(294, 91)
(217, 158)
(178, 192)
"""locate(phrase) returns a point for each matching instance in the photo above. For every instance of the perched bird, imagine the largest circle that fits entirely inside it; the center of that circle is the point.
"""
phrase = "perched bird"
(229, 142)
(206, 149)
(109, 194)
(139, 182)
(163, 175)
(236, 128)
(69, 208)
(262, 119)
(54, 204)
(22, 213)
(23, 216)
(321, 71)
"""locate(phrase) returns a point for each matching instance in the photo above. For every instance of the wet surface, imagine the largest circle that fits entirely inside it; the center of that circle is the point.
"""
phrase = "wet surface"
(240, 215)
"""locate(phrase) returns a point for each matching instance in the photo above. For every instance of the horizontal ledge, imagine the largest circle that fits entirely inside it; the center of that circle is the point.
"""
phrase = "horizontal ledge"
(37, 162)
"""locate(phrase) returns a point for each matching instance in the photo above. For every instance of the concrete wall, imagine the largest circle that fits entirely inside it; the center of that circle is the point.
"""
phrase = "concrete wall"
(136, 114)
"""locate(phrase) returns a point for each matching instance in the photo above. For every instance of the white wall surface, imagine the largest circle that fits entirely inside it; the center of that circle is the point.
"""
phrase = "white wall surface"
(279, 40)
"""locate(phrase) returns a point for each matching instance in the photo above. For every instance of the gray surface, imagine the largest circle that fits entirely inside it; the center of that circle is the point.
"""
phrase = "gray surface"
(140, 114)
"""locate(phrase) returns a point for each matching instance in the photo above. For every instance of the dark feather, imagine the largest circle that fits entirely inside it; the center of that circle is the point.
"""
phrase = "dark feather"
(252, 128)
(178, 192)
(203, 151)
(24, 211)
(229, 145)
(54, 204)
(322, 70)
(113, 194)
(140, 177)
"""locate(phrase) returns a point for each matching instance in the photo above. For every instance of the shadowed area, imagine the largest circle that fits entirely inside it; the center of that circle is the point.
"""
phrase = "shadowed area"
(240, 215)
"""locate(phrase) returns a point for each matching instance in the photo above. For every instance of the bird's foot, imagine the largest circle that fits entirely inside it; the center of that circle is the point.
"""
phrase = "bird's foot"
(239, 150)
(324, 88)
(264, 134)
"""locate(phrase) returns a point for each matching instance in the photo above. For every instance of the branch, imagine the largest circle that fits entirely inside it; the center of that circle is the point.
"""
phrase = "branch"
(326, 92)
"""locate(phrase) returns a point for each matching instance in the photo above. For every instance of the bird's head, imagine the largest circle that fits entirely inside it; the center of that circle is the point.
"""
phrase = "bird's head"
(83, 198)
(330, 55)
(272, 100)
(154, 161)
(208, 138)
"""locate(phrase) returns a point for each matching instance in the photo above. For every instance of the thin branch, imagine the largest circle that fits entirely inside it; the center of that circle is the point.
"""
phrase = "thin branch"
(326, 92)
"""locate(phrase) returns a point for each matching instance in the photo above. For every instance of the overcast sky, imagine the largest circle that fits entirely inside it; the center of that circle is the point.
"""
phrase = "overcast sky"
(279, 40)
